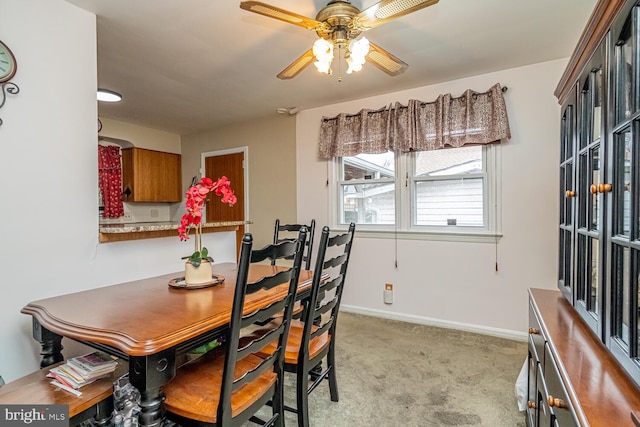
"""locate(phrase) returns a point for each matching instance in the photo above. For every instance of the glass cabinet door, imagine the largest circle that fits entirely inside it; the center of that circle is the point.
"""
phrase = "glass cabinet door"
(623, 243)
(567, 197)
(591, 215)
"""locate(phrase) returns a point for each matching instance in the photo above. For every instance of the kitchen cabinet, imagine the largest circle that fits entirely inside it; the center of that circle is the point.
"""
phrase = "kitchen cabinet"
(151, 176)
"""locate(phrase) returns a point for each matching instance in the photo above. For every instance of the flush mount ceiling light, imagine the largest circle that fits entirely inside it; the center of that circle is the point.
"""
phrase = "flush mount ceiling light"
(108, 96)
(338, 26)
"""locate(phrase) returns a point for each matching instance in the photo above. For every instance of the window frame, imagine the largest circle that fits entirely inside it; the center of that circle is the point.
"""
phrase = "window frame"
(405, 203)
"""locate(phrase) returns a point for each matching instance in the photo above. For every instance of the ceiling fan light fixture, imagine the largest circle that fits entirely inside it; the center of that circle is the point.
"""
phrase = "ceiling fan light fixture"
(323, 51)
(106, 95)
(357, 51)
(337, 25)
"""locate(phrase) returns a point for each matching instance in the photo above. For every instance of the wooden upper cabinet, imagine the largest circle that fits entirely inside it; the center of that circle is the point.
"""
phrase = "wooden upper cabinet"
(151, 176)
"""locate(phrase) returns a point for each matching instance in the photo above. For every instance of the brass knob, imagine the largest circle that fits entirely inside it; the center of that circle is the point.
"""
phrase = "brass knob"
(534, 331)
(570, 193)
(531, 405)
(594, 189)
(558, 403)
(604, 188)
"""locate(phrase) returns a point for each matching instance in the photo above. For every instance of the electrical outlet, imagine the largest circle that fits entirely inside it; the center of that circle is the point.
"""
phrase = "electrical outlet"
(388, 293)
(155, 213)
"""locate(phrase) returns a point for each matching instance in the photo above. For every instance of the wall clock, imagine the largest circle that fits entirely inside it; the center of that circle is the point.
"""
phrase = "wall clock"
(8, 64)
(8, 67)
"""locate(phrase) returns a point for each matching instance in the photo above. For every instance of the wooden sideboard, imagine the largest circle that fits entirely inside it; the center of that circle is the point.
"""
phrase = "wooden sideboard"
(573, 379)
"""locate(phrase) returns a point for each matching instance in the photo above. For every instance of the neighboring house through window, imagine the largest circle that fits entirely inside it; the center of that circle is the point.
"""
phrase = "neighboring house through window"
(451, 191)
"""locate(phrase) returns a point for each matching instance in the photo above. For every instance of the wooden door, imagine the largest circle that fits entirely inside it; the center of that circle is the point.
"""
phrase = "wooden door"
(231, 166)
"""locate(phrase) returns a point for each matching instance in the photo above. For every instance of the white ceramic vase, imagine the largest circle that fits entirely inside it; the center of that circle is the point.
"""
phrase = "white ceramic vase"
(197, 275)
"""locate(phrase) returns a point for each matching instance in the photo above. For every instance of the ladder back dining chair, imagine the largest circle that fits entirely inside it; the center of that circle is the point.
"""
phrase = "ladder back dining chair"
(284, 232)
(228, 385)
(313, 337)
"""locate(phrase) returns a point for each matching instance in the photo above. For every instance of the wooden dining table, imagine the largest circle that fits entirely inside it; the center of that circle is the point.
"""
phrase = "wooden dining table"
(148, 323)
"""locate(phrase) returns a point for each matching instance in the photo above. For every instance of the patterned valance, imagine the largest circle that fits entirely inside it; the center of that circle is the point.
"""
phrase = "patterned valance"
(473, 118)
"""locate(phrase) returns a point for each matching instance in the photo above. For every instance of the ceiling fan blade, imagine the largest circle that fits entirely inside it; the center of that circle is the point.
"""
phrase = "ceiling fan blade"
(386, 10)
(385, 61)
(281, 14)
(298, 65)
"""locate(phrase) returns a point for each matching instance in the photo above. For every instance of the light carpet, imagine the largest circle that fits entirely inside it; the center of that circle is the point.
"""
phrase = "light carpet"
(393, 374)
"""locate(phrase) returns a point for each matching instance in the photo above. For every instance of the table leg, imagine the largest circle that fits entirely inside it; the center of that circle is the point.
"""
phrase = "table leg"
(50, 342)
(149, 374)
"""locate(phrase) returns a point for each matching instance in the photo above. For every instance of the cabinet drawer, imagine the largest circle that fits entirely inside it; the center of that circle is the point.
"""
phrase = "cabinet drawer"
(557, 397)
(536, 339)
(543, 410)
(532, 388)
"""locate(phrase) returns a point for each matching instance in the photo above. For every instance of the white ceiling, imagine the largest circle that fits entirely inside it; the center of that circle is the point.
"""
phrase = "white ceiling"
(189, 65)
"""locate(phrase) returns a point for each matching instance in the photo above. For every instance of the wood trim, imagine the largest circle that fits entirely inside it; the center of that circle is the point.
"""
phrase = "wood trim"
(597, 27)
(138, 235)
(599, 390)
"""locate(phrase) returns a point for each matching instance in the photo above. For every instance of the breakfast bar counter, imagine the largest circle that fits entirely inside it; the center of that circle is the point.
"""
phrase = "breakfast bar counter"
(149, 230)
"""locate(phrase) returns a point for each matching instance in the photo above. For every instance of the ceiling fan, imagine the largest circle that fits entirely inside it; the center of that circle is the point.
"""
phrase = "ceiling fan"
(338, 25)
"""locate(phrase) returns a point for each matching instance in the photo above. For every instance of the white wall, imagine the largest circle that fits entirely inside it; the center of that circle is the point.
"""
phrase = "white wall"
(48, 179)
(448, 283)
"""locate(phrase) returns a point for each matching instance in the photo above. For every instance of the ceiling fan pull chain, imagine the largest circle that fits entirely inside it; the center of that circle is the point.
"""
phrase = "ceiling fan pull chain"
(339, 64)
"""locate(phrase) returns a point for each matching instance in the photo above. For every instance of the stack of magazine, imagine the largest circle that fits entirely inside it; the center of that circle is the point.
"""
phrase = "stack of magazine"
(82, 370)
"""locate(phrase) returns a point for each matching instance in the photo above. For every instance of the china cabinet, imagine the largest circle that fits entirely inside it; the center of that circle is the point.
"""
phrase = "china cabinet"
(584, 346)
(151, 176)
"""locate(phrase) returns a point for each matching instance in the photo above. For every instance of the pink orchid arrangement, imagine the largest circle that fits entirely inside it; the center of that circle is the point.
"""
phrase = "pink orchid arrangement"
(196, 198)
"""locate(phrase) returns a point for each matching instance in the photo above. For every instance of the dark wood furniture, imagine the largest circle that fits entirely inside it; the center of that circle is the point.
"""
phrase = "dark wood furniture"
(96, 401)
(313, 338)
(151, 176)
(228, 387)
(284, 232)
(596, 342)
(147, 323)
(573, 379)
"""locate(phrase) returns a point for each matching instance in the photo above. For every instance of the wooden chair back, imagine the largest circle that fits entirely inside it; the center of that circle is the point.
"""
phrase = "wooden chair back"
(285, 232)
(237, 349)
(321, 311)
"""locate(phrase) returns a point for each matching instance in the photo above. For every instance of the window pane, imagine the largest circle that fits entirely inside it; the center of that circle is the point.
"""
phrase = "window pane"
(368, 166)
(457, 202)
(453, 161)
(368, 203)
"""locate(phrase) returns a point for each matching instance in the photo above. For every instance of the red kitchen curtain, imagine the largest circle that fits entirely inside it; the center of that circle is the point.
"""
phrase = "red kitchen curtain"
(110, 180)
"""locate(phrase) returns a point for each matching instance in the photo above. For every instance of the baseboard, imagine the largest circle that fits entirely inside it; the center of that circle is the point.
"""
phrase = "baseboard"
(485, 330)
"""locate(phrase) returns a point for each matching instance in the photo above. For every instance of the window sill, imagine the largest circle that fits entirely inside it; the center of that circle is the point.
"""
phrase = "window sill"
(478, 237)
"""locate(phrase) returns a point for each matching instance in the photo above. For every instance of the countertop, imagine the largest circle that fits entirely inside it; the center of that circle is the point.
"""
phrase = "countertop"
(138, 227)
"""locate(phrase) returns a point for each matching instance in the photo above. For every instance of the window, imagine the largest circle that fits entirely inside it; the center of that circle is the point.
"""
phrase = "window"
(439, 192)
